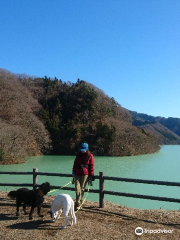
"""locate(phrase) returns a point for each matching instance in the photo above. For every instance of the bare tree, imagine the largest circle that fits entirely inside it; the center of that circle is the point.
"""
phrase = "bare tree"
(21, 132)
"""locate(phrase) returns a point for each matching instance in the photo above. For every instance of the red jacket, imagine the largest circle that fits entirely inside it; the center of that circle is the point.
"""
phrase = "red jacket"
(84, 164)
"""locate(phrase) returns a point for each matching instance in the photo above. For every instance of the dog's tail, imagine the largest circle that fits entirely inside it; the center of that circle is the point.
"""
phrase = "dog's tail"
(72, 212)
(12, 194)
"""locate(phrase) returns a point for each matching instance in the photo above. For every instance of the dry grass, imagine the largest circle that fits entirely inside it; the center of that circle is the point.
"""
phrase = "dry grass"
(93, 223)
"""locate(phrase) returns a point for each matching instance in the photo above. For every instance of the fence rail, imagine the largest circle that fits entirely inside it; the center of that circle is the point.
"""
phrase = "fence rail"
(101, 191)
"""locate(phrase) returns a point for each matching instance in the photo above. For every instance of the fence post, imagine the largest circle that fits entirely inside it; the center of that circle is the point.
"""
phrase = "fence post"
(35, 180)
(101, 189)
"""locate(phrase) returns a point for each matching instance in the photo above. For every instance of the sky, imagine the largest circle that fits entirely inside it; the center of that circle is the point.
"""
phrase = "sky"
(130, 49)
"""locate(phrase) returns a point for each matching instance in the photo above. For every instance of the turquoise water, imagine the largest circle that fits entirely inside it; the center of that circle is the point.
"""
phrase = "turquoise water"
(164, 166)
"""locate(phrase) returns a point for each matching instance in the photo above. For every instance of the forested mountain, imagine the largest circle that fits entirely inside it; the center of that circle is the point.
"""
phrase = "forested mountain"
(44, 115)
(76, 112)
(168, 129)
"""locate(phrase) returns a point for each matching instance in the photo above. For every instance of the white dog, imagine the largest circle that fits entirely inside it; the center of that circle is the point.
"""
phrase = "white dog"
(63, 202)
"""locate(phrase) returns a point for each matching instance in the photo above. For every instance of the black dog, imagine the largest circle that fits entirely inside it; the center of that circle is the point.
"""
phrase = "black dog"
(33, 198)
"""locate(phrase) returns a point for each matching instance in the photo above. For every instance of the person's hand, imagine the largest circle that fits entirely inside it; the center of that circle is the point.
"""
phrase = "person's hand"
(90, 179)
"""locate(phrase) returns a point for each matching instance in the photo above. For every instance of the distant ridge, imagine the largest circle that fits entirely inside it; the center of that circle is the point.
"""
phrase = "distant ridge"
(168, 129)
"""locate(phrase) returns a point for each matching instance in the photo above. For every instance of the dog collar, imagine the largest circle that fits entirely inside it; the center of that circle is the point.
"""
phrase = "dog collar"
(41, 193)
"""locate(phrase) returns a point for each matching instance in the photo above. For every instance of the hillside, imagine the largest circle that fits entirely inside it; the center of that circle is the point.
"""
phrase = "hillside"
(168, 129)
(44, 115)
(76, 112)
(21, 132)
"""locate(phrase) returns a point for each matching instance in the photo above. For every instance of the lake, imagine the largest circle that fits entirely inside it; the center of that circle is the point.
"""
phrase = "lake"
(163, 166)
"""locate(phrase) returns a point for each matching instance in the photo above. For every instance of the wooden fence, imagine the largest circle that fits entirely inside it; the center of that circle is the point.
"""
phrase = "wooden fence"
(101, 191)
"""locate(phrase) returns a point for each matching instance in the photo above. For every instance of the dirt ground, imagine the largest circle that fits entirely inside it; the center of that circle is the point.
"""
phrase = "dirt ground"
(93, 223)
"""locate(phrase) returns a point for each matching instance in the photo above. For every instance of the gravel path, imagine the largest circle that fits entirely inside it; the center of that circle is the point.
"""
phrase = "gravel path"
(93, 223)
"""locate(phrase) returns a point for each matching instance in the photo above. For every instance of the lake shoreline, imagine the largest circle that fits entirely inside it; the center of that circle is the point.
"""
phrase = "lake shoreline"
(12, 162)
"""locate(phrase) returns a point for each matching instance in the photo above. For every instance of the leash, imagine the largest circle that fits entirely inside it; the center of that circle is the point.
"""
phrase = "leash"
(60, 187)
(89, 185)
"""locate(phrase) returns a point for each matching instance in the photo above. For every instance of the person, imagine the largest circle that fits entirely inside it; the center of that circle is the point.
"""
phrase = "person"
(83, 171)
